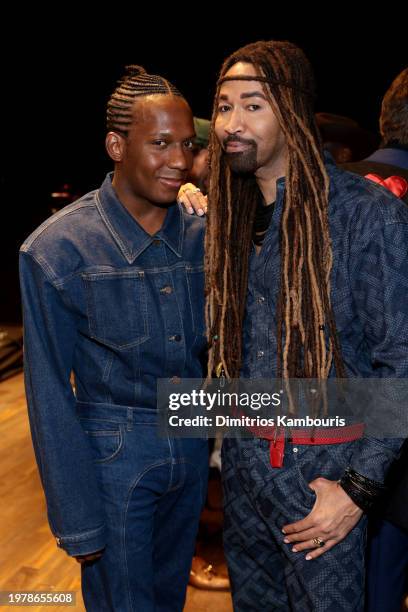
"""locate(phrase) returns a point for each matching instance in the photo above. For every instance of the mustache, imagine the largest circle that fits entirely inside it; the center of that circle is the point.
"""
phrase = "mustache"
(236, 138)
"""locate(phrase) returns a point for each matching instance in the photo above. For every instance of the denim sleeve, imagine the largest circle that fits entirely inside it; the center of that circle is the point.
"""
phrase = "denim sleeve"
(379, 279)
(62, 451)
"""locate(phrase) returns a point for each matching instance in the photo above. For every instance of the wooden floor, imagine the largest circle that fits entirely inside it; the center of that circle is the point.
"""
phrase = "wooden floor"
(29, 558)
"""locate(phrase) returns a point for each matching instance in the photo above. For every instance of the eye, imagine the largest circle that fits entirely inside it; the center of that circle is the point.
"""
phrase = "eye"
(189, 144)
(253, 107)
(223, 108)
(159, 143)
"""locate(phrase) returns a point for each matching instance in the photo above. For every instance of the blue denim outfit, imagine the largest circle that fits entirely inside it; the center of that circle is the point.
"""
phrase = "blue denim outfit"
(119, 308)
(369, 287)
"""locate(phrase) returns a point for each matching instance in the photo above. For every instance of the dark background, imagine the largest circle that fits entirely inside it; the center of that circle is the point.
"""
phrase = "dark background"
(57, 81)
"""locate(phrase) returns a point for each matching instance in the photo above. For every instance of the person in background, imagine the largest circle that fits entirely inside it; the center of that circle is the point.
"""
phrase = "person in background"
(388, 529)
(388, 165)
(343, 138)
(199, 172)
(205, 575)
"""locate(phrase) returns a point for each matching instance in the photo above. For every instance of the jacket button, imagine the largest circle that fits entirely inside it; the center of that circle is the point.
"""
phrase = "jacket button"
(260, 354)
(157, 242)
(176, 338)
(166, 289)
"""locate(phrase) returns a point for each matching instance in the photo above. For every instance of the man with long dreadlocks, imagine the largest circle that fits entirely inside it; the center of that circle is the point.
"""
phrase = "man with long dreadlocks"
(113, 289)
(306, 277)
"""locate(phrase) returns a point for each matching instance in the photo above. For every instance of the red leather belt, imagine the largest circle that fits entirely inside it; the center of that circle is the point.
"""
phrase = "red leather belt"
(276, 437)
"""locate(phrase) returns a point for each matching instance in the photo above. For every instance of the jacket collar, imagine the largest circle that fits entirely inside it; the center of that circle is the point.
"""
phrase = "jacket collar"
(130, 237)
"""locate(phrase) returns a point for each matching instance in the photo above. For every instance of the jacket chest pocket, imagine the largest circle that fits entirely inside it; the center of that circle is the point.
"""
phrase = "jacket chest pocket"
(117, 308)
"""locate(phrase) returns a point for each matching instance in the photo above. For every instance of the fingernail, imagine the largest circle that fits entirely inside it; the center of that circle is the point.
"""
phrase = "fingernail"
(200, 212)
(283, 531)
(286, 540)
(190, 210)
(294, 549)
(308, 558)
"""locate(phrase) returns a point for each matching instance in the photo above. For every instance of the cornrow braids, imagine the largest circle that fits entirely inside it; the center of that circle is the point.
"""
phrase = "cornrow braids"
(307, 341)
(135, 83)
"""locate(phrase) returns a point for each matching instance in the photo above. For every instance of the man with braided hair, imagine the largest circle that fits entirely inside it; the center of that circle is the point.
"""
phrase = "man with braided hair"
(113, 290)
(306, 277)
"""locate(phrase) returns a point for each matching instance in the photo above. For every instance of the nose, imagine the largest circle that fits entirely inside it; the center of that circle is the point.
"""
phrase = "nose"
(233, 123)
(180, 158)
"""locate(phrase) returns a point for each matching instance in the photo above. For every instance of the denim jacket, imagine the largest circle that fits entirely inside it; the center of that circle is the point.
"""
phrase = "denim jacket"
(369, 289)
(119, 308)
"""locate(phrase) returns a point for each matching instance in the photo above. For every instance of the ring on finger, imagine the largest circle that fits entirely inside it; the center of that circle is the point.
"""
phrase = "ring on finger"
(318, 542)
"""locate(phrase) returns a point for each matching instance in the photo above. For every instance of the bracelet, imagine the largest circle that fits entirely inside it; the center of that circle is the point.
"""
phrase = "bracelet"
(363, 491)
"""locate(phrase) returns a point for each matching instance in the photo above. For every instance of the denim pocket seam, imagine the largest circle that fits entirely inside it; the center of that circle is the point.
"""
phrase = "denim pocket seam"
(105, 433)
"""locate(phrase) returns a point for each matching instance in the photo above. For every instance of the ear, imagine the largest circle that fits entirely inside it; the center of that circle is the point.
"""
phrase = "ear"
(115, 146)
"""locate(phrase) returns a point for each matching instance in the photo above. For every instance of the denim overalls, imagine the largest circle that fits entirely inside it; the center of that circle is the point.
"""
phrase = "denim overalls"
(119, 308)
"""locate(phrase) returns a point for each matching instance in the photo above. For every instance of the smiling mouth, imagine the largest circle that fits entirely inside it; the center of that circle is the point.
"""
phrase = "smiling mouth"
(171, 182)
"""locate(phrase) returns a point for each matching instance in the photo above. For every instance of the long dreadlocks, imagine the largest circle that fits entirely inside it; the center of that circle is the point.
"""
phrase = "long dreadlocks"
(307, 342)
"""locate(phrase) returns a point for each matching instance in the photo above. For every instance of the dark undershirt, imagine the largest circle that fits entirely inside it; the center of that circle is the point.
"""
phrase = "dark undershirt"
(263, 216)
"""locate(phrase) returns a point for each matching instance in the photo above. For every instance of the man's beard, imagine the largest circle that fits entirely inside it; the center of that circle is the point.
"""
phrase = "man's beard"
(242, 162)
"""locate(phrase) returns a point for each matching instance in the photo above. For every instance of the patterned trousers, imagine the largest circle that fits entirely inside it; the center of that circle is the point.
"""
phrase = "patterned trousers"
(265, 574)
